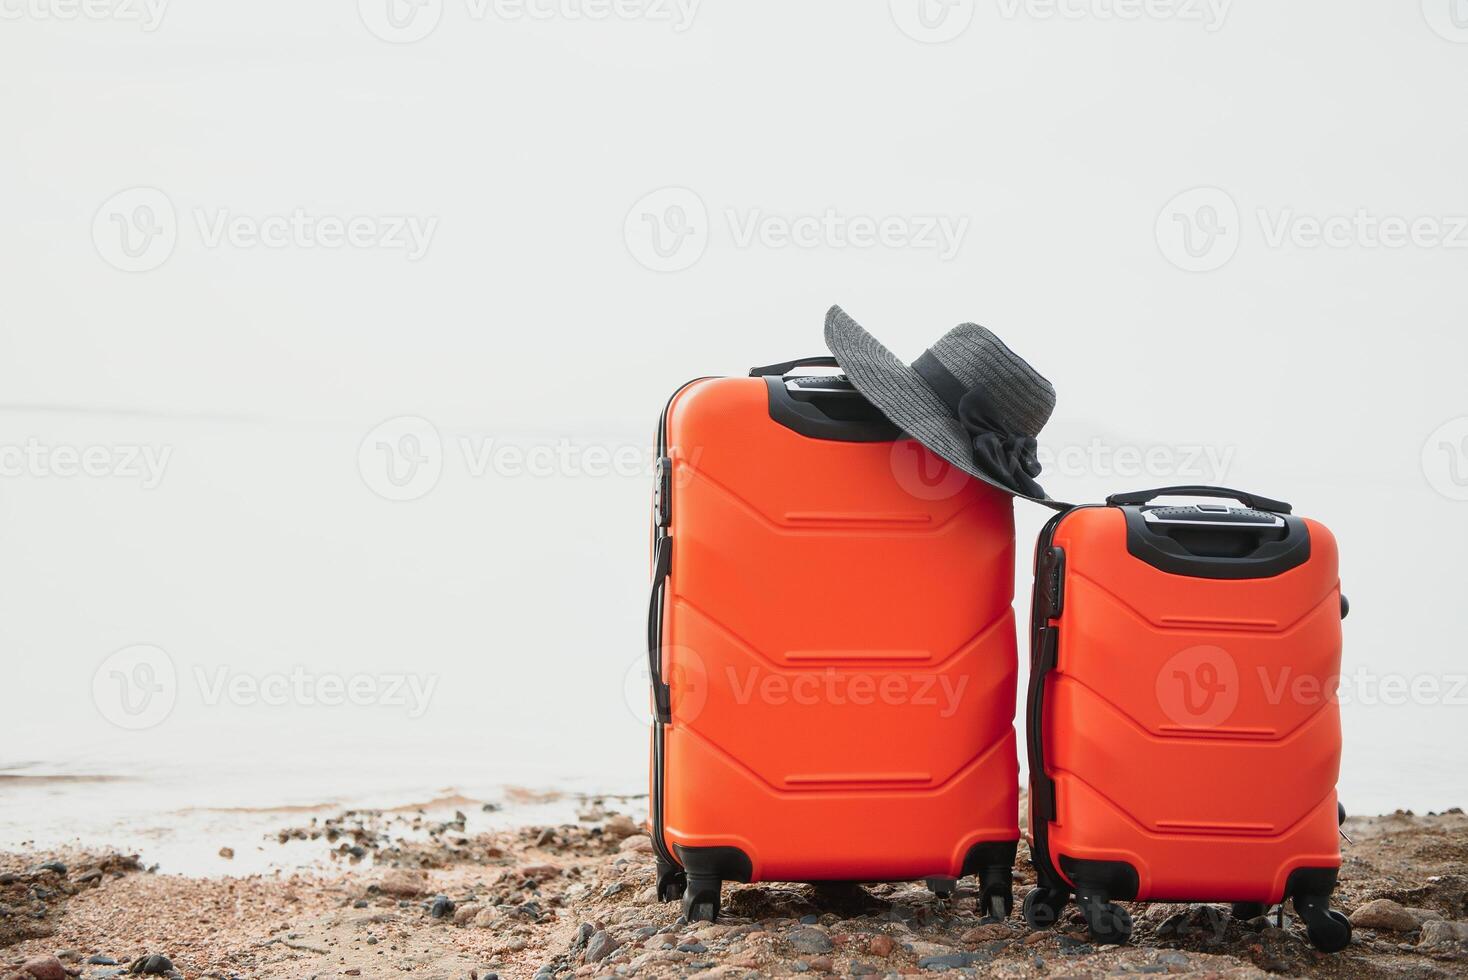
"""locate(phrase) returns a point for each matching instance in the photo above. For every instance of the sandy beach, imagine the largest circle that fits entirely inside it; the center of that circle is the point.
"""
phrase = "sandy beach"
(420, 893)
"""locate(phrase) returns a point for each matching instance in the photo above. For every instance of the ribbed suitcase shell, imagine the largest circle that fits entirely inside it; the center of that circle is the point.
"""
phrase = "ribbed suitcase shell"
(1206, 801)
(841, 652)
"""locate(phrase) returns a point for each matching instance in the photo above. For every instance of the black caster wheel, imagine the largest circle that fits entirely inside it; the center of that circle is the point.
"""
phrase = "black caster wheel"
(1042, 907)
(672, 880)
(996, 894)
(701, 899)
(1244, 911)
(942, 887)
(1340, 813)
(1110, 924)
(1328, 930)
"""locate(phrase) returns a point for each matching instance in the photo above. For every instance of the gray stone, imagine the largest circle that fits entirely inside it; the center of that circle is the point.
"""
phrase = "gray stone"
(599, 946)
(809, 940)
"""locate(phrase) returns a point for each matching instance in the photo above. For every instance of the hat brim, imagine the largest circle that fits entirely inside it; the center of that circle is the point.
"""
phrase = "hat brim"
(907, 400)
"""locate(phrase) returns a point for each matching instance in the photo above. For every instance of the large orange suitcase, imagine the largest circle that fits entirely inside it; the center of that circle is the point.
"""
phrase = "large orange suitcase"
(832, 648)
(1184, 736)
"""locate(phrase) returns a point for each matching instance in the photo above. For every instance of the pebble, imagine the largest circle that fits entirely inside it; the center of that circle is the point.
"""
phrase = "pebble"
(226, 852)
(1442, 934)
(153, 965)
(821, 964)
(97, 959)
(599, 946)
(1383, 913)
(619, 826)
(442, 906)
(880, 946)
(952, 961)
(44, 967)
(809, 940)
(637, 843)
(55, 866)
(403, 883)
(985, 933)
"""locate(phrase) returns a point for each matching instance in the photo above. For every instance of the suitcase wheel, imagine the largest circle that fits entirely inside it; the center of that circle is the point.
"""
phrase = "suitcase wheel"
(1110, 924)
(701, 898)
(1244, 911)
(1042, 907)
(672, 880)
(942, 887)
(996, 894)
(1328, 930)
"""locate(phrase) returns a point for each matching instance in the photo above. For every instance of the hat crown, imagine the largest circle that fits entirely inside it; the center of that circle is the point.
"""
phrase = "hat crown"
(979, 359)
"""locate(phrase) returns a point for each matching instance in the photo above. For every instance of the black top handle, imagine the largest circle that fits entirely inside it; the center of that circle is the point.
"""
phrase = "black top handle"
(785, 367)
(1254, 500)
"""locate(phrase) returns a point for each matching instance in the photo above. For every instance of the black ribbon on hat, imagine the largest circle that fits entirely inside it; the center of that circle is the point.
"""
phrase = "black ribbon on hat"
(1008, 457)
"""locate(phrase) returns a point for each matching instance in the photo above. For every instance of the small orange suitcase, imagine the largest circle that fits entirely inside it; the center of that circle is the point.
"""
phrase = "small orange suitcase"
(1184, 738)
(832, 648)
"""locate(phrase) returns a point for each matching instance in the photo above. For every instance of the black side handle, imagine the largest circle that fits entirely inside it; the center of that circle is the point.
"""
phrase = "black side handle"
(785, 367)
(1254, 500)
(662, 564)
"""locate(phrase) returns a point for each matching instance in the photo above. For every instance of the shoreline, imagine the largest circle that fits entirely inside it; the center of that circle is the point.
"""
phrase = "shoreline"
(421, 893)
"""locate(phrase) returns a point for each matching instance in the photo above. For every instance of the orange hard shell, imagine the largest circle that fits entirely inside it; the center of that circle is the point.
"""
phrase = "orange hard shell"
(839, 640)
(1190, 724)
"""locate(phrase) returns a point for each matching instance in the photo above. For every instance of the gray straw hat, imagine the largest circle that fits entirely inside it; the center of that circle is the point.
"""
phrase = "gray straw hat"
(968, 398)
